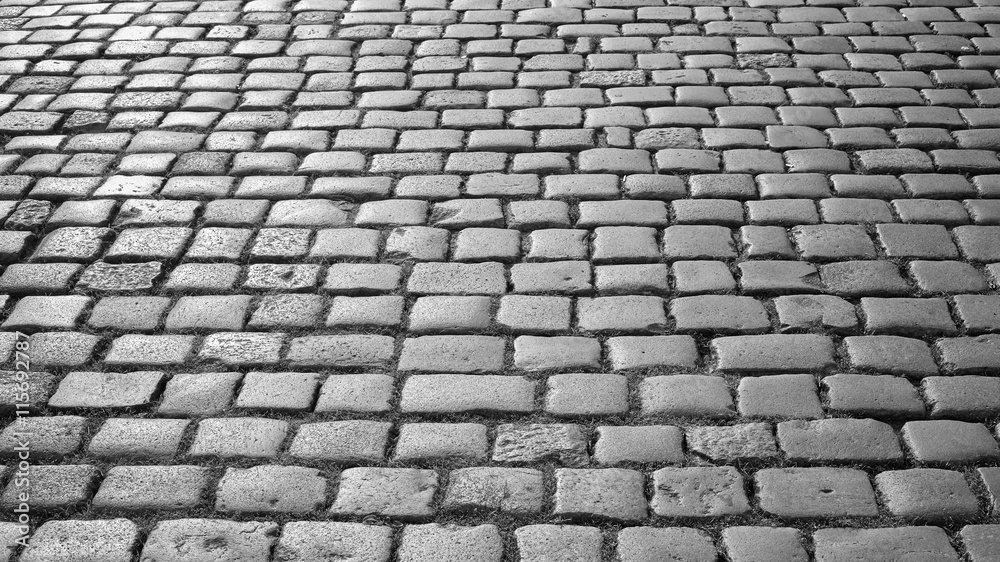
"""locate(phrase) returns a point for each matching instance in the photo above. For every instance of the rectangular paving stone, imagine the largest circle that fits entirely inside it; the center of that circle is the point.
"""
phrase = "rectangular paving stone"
(773, 353)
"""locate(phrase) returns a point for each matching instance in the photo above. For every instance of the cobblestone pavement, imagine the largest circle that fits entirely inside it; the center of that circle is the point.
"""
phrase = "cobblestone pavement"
(484, 280)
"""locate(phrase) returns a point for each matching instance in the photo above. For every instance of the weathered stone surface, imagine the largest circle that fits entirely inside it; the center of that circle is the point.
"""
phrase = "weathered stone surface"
(209, 540)
(533, 443)
(402, 493)
(698, 492)
(511, 490)
(904, 543)
(303, 541)
(804, 493)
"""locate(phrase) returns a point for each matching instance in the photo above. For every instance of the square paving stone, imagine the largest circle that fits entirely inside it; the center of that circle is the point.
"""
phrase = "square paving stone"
(348, 350)
(509, 490)
(32, 314)
(467, 393)
(13, 384)
(115, 277)
(210, 540)
(610, 493)
(439, 441)
(198, 394)
(238, 437)
(658, 444)
(242, 349)
(450, 543)
(558, 543)
(51, 487)
(101, 540)
(138, 438)
(646, 544)
(586, 394)
(756, 544)
(950, 442)
(900, 543)
(53, 350)
(686, 395)
(357, 312)
(452, 354)
(537, 442)
(208, 314)
(720, 314)
(970, 356)
(809, 493)
(128, 314)
(283, 489)
(81, 389)
(808, 312)
(982, 542)
(968, 396)
(878, 396)
(143, 488)
(354, 441)
(698, 492)
(558, 353)
(890, 354)
(149, 351)
(446, 314)
(148, 244)
(839, 440)
(927, 495)
(305, 541)
(733, 443)
(288, 311)
(799, 353)
(277, 391)
(636, 352)
(917, 317)
(47, 437)
(355, 393)
(401, 493)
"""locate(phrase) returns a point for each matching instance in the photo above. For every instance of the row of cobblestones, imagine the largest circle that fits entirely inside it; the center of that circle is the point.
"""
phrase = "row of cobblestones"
(308, 540)
(500, 280)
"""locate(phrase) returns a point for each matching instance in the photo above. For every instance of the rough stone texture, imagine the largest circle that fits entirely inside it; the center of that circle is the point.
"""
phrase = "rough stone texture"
(450, 543)
(533, 443)
(698, 492)
(512, 490)
(903, 543)
(981, 541)
(643, 444)
(288, 489)
(302, 541)
(341, 441)
(946, 441)
(152, 488)
(426, 235)
(804, 493)
(608, 493)
(839, 440)
(558, 543)
(756, 544)
(209, 540)
(927, 495)
(733, 443)
(402, 493)
(639, 544)
(108, 540)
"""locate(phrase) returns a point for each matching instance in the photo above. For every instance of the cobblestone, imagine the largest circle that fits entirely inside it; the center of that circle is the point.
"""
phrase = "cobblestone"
(406, 243)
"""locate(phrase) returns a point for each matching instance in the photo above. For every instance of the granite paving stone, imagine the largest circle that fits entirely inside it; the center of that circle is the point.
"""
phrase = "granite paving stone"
(532, 280)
